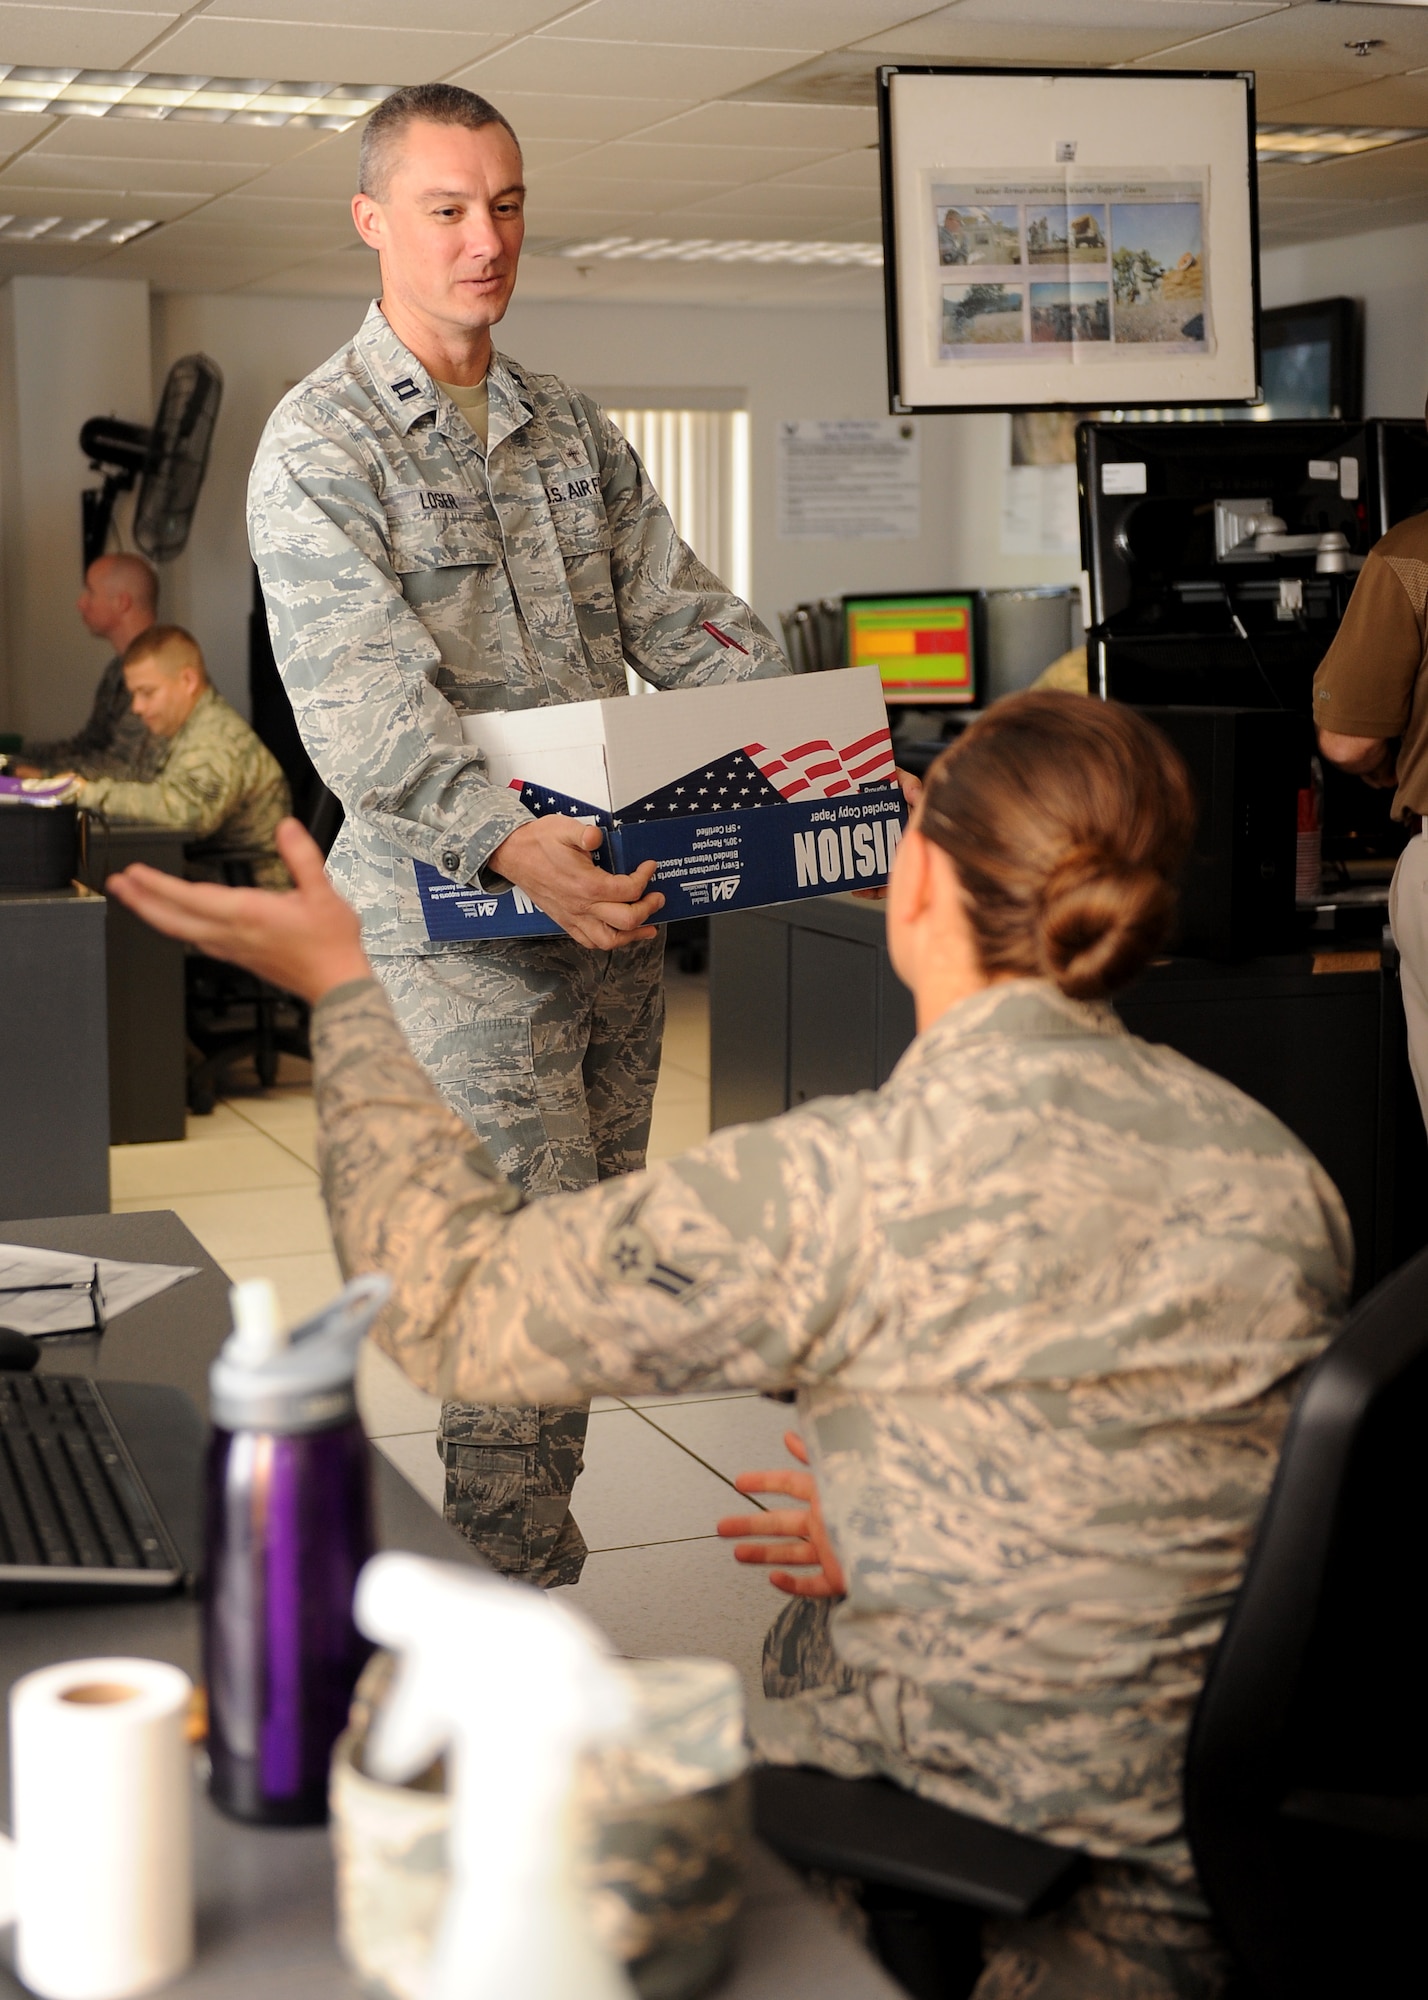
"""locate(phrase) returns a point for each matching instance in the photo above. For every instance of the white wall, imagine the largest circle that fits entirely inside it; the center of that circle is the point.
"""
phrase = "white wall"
(1388, 269)
(263, 345)
(790, 364)
(70, 348)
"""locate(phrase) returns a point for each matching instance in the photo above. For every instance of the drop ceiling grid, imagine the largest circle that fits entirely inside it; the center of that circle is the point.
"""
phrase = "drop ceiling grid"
(624, 103)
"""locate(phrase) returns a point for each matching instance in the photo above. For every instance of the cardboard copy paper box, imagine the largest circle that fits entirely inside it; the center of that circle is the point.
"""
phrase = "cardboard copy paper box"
(748, 792)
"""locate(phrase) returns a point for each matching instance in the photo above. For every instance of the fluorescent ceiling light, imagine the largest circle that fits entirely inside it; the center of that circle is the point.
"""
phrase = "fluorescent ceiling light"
(1307, 145)
(207, 100)
(708, 250)
(69, 229)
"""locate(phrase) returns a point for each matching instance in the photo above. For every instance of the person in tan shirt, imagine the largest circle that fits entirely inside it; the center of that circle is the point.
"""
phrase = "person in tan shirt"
(1371, 711)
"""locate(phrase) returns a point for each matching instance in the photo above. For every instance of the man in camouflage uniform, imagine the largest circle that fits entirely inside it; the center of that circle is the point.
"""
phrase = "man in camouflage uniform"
(441, 532)
(118, 603)
(218, 781)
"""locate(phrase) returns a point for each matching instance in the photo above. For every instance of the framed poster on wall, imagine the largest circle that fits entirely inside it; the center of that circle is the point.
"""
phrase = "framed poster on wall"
(1069, 239)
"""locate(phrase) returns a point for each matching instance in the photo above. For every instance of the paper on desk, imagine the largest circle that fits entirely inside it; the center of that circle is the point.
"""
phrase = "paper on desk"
(124, 1285)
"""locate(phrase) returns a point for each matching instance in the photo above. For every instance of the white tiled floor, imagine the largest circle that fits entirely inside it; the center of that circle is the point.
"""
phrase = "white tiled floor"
(658, 1471)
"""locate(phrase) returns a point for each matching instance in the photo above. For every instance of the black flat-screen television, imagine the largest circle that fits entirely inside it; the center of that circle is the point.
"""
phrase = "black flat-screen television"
(1312, 359)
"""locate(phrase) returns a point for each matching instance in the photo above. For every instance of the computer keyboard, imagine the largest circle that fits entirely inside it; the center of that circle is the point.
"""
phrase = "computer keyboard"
(75, 1519)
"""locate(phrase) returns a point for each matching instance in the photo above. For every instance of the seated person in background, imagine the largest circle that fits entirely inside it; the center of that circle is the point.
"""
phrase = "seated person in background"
(1044, 1298)
(217, 780)
(118, 603)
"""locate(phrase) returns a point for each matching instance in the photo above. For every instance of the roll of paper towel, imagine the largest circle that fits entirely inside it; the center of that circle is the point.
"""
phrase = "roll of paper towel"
(103, 1818)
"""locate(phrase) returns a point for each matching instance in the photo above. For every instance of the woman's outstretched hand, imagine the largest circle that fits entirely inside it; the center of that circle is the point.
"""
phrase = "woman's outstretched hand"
(806, 1544)
(305, 939)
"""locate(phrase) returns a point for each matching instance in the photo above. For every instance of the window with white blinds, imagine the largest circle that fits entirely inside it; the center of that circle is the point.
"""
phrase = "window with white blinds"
(699, 462)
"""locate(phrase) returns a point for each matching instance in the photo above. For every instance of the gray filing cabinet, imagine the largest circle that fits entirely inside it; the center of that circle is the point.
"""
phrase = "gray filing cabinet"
(802, 1003)
(54, 1055)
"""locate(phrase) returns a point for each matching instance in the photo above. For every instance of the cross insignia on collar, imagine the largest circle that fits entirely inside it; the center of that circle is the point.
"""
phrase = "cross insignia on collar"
(406, 389)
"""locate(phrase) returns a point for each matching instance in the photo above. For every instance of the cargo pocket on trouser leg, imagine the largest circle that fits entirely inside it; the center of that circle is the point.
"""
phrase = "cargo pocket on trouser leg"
(508, 1478)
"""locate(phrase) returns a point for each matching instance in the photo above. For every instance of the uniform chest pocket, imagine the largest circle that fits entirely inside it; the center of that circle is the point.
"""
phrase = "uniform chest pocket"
(440, 531)
(577, 510)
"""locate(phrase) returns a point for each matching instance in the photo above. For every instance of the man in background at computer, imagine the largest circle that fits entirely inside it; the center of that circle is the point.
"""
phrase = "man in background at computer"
(118, 603)
(218, 781)
(1371, 708)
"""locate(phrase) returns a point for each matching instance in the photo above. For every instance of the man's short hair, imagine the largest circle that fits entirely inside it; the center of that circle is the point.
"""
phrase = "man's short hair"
(170, 643)
(427, 103)
(131, 574)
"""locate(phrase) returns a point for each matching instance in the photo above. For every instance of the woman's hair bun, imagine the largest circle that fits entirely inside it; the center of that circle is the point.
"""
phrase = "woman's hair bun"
(1102, 916)
(1068, 820)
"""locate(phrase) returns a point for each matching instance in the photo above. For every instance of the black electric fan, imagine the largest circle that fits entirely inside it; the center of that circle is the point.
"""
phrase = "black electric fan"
(168, 458)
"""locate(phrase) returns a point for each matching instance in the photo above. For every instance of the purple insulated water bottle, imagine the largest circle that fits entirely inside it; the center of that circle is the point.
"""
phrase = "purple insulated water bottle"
(288, 1527)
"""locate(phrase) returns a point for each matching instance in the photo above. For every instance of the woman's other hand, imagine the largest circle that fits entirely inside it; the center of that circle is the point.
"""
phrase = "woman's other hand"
(805, 1540)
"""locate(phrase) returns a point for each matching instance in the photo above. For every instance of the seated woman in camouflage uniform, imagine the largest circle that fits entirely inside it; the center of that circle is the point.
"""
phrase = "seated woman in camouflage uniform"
(1043, 1299)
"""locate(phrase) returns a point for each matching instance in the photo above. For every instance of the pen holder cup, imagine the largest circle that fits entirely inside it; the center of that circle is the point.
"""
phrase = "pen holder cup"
(666, 1812)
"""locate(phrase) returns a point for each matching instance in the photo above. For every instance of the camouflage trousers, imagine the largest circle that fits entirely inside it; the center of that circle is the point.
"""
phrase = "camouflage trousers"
(1127, 1933)
(551, 1054)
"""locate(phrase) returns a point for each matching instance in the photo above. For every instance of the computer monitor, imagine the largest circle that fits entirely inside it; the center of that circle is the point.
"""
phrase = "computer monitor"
(926, 647)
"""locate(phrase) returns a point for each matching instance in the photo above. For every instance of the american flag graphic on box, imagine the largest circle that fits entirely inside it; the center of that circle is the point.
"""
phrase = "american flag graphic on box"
(752, 776)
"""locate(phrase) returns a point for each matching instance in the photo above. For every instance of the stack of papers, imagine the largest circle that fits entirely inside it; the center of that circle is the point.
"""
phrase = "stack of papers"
(71, 1310)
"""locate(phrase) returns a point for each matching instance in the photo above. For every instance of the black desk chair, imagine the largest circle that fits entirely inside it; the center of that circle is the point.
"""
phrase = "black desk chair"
(1306, 1781)
(229, 1014)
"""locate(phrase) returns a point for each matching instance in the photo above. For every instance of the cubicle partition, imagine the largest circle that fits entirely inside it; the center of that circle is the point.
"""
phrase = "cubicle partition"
(804, 1003)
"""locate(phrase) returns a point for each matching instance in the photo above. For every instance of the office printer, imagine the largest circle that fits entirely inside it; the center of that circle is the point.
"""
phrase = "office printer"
(1220, 558)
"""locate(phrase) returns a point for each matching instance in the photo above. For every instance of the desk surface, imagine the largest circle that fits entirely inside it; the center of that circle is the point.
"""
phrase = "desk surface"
(265, 1920)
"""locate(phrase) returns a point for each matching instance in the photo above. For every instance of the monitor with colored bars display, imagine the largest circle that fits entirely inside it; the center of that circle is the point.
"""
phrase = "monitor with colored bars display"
(924, 648)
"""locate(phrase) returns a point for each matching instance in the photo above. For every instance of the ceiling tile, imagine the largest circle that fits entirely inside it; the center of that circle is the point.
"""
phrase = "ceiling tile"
(630, 69)
(164, 139)
(705, 285)
(35, 260)
(577, 215)
(16, 132)
(635, 196)
(805, 125)
(133, 177)
(321, 277)
(844, 170)
(1392, 100)
(211, 45)
(730, 166)
(488, 18)
(1285, 93)
(87, 38)
(811, 208)
(283, 212)
(326, 169)
(1048, 31)
(735, 24)
(1391, 171)
(544, 115)
(21, 197)
(1311, 36)
(1309, 222)
(209, 273)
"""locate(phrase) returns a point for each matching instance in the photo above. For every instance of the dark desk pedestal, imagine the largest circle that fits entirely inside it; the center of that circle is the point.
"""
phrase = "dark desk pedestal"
(803, 1004)
(54, 1070)
(147, 1071)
